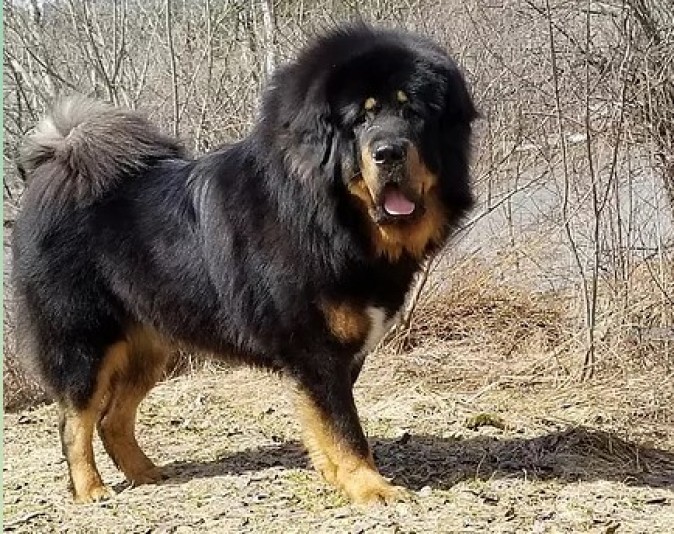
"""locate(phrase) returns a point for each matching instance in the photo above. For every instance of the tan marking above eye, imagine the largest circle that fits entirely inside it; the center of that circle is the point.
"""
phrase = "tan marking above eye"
(370, 104)
(401, 96)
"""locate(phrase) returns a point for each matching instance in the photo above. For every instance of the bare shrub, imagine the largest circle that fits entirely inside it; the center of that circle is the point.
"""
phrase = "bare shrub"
(472, 307)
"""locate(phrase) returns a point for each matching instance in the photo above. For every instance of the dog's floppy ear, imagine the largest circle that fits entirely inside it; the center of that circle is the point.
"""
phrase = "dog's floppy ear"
(313, 128)
(458, 104)
(455, 130)
(296, 121)
(311, 133)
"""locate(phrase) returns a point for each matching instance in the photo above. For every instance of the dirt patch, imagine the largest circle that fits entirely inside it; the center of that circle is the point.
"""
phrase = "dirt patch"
(562, 459)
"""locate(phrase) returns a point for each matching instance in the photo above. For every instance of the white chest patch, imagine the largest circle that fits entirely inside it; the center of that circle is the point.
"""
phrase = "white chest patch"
(379, 325)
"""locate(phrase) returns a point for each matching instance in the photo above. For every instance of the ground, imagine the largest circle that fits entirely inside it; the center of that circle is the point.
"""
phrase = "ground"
(479, 452)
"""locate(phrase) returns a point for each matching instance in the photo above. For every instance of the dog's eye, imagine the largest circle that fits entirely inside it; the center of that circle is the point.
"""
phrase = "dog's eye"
(371, 105)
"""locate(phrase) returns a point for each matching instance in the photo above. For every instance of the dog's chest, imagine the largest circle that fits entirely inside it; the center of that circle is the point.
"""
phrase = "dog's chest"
(379, 325)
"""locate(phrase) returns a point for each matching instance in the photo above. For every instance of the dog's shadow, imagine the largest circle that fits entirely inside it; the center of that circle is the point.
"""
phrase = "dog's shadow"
(419, 460)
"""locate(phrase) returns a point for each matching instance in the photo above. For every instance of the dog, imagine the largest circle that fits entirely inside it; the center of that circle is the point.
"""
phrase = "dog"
(291, 250)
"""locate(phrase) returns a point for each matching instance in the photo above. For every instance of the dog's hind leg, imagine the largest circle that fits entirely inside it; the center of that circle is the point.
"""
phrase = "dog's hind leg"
(77, 428)
(77, 422)
(146, 362)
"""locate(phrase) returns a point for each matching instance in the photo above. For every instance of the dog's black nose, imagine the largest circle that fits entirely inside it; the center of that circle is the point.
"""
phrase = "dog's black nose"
(388, 153)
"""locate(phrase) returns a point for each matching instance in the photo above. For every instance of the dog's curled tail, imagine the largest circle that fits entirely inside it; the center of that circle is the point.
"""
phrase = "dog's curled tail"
(90, 147)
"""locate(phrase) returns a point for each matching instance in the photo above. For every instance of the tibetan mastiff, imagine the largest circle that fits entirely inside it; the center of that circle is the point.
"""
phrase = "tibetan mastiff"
(291, 250)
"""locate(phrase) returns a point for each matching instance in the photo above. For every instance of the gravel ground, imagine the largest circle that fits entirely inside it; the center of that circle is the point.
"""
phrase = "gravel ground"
(504, 457)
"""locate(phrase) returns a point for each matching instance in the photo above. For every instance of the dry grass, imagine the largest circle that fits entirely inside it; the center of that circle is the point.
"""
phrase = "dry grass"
(472, 307)
(643, 318)
(566, 459)
(540, 336)
(21, 388)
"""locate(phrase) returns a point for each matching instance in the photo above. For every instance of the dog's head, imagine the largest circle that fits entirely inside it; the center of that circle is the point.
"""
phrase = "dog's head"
(386, 116)
(395, 163)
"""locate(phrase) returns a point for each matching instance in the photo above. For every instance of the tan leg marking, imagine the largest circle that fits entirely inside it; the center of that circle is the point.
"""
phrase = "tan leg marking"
(76, 438)
(336, 461)
(147, 359)
(77, 430)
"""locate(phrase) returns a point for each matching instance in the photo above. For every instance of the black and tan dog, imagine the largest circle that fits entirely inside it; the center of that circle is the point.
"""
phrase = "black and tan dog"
(290, 250)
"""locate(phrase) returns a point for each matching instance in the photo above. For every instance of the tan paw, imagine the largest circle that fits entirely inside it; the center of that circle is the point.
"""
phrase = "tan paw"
(94, 494)
(367, 486)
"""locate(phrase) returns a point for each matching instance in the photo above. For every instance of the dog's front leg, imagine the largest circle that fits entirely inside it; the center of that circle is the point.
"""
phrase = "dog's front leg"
(334, 437)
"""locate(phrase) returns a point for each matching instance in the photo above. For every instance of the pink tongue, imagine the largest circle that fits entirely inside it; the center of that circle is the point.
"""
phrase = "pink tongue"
(395, 203)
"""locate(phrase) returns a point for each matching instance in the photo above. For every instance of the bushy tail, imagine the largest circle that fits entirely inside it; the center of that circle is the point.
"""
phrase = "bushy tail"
(91, 146)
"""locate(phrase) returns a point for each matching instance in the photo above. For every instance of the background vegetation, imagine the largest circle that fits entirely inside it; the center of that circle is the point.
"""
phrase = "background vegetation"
(566, 268)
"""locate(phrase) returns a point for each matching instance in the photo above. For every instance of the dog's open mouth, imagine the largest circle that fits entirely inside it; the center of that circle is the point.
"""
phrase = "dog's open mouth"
(396, 203)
